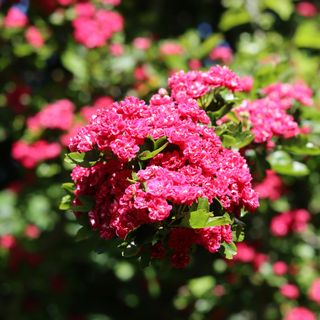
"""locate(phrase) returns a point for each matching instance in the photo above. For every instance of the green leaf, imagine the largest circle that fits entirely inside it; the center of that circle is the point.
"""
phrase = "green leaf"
(233, 18)
(203, 204)
(307, 35)
(200, 286)
(229, 249)
(228, 141)
(205, 48)
(283, 8)
(83, 159)
(159, 142)
(130, 249)
(203, 219)
(83, 234)
(238, 234)
(301, 146)
(66, 202)
(243, 139)
(75, 63)
(281, 162)
(147, 154)
(69, 187)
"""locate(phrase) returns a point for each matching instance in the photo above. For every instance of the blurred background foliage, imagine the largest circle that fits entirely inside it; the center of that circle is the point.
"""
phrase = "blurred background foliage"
(47, 272)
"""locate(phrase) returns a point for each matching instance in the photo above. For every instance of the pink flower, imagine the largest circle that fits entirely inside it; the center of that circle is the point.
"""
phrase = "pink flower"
(245, 253)
(29, 155)
(34, 37)
(95, 27)
(306, 9)
(112, 2)
(300, 313)
(7, 241)
(271, 187)
(15, 18)
(246, 83)
(314, 291)
(116, 49)
(222, 54)
(142, 43)
(32, 231)
(294, 220)
(57, 115)
(280, 268)
(289, 291)
(171, 48)
(195, 64)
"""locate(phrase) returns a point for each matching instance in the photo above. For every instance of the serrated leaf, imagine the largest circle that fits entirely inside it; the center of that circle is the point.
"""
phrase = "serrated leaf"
(146, 155)
(66, 202)
(228, 141)
(229, 250)
(283, 8)
(301, 146)
(281, 162)
(83, 234)
(208, 45)
(203, 219)
(75, 63)
(69, 187)
(83, 159)
(307, 35)
(203, 204)
(233, 18)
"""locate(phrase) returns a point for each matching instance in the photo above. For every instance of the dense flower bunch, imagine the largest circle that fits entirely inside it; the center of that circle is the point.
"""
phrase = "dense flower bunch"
(294, 220)
(132, 185)
(31, 154)
(269, 116)
(94, 27)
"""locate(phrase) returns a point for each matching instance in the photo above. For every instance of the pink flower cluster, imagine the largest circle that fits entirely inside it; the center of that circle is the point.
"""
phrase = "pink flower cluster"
(15, 18)
(271, 187)
(29, 155)
(289, 221)
(195, 84)
(314, 291)
(182, 239)
(57, 115)
(300, 313)
(192, 164)
(289, 291)
(94, 27)
(248, 254)
(222, 54)
(268, 116)
(34, 37)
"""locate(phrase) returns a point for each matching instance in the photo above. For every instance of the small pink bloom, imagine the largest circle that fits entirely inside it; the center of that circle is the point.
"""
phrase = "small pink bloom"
(300, 313)
(280, 268)
(221, 53)
(32, 231)
(116, 49)
(314, 291)
(289, 291)
(142, 43)
(34, 37)
(7, 241)
(112, 2)
(245, 253)
(171, 48)
(15, 18)
(246, 83)
(306, 9)
(195, 64)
